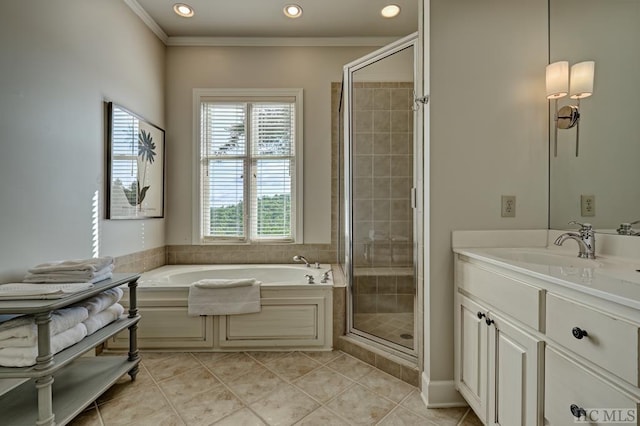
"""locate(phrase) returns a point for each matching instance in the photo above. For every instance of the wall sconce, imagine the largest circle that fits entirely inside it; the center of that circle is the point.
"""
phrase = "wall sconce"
(557, 79)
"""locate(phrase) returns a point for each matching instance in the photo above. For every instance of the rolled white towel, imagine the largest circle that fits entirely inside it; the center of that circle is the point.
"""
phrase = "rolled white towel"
(224, 283)
(61, 320)
(102, 301)
(107, 316)
(93, 264)
(25, 357)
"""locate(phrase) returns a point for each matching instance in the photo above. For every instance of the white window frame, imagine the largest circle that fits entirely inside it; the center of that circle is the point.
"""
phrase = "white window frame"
(296, 186)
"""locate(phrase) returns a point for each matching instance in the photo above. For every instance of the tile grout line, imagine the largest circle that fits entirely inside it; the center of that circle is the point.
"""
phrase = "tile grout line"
(228, 388)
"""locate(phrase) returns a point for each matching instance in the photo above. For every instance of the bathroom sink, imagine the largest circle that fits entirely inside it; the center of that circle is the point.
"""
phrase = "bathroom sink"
(544, 257)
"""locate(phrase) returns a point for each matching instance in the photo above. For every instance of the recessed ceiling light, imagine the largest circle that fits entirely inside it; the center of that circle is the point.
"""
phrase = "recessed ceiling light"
(293, 11)
(390, 11)
(183, 10)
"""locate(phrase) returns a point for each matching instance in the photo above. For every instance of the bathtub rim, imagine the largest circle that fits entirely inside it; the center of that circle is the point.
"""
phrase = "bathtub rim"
(147, 276)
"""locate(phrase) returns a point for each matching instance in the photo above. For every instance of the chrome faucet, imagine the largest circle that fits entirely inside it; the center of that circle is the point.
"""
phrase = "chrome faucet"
(297, 258)
(585, 238)
(625, 229)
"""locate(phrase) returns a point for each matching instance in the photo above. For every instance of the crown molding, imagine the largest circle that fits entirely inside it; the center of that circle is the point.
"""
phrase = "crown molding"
(280, 41)
(148, 20)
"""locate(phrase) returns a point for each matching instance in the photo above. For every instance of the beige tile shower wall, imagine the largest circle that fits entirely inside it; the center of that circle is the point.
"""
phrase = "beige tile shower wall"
(383, 173)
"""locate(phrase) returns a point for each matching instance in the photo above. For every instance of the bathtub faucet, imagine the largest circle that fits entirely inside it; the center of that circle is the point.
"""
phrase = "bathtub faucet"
(297, 258)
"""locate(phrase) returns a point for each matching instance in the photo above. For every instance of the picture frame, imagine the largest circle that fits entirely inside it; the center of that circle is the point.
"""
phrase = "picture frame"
(135, 166)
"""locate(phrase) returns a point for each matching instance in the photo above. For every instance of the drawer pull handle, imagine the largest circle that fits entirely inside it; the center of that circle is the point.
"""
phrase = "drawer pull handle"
(577, 411)
(489, 321)
(579, 333)
(480, 315)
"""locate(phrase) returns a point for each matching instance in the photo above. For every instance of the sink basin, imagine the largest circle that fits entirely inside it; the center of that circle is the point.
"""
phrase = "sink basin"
(544, 257)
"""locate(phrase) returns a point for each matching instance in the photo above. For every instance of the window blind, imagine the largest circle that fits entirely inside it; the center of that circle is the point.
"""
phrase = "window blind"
(248, 169)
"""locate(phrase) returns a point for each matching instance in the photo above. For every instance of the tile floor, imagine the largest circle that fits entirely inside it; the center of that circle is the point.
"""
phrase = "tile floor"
(264, 388)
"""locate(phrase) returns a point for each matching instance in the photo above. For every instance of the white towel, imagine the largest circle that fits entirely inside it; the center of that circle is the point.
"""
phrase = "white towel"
(102, 301)
(19, 291)
(99, 320)
(91, 265)
(208, 299)
(25, 357)
(69, 276)
(220, 283)
(25, 327)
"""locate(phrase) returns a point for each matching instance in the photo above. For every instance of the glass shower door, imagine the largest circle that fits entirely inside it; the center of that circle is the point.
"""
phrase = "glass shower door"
(380, 185)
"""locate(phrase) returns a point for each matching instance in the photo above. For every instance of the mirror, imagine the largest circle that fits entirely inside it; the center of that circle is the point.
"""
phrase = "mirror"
(604, 179)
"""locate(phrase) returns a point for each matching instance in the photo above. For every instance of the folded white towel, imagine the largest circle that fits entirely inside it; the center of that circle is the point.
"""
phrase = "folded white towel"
(18, 291)
(24, 357)
(93, 265)
(61, 320)
(224, 301)
(69, 276)
(99, 320)
(220, 283)
(102, 301)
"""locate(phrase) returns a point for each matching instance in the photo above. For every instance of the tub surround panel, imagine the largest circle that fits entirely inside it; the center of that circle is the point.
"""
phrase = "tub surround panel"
(294, 315)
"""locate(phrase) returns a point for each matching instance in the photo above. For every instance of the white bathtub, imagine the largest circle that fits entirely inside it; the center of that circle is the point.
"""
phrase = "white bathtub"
(294, 314)
(269, 275)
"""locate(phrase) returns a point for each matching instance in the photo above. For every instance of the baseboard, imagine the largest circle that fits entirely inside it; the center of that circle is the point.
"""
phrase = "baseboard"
(441, 394)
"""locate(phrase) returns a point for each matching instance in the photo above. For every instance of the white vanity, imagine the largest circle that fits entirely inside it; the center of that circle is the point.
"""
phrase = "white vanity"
(543, 337)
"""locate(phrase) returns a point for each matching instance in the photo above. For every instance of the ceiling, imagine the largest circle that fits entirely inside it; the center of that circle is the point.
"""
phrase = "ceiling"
(264, 18)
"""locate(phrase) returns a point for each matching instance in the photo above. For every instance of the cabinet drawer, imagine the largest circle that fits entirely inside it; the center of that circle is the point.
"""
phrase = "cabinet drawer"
(568, 383)
(515, 298)
(611, 343)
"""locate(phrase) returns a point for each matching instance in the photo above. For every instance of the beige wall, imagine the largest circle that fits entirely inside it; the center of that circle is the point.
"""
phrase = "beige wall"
(60, 60)
(488, 136)
(311, 68)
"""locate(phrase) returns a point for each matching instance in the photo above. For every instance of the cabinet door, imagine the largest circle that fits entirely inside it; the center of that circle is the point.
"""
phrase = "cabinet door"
(515, 359)
(471, 333)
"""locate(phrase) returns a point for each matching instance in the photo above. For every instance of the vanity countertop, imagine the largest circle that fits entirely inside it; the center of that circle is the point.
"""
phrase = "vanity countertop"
(611, 278)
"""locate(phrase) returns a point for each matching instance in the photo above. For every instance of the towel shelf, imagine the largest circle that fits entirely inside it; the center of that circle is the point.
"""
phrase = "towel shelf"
(75, 382)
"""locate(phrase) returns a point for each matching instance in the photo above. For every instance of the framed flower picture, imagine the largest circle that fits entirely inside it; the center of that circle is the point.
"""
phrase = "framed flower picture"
(135, 166)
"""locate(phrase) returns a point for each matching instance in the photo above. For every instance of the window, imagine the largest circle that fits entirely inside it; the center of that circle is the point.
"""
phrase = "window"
(249, 165)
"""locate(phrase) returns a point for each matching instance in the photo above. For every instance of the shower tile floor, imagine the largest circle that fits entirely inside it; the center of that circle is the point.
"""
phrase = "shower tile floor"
(264, 388)
(394, 327)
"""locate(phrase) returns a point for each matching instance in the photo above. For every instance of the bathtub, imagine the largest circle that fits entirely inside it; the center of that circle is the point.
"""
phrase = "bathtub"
(295, 314)
(269, 275)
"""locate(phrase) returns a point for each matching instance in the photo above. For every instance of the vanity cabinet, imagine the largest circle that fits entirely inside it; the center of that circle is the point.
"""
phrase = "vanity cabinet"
(530, 351)
(498, 365)
(60, 386)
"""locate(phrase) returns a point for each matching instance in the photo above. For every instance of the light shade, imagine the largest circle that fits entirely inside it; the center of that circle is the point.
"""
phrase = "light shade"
(557, 79)
(582, 80)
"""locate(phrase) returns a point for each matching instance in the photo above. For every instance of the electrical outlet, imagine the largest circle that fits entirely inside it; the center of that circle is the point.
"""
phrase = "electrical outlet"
(587, 205)
(508, 206)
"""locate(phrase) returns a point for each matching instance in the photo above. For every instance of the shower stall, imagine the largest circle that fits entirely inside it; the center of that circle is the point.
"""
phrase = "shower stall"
(379, 175)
